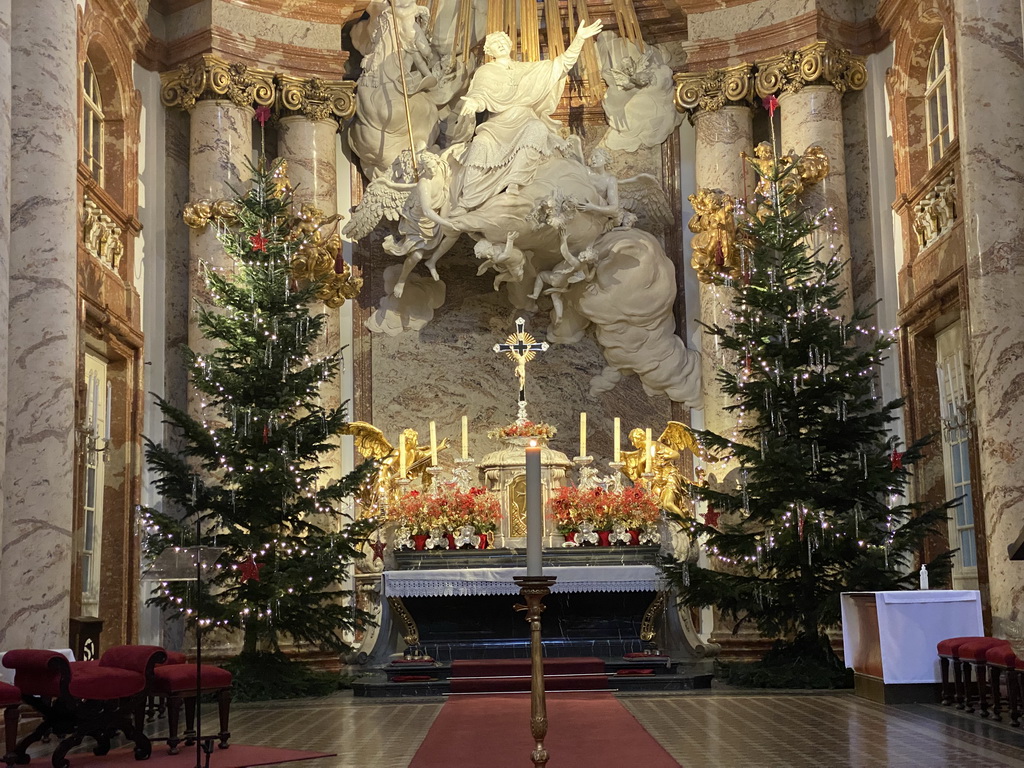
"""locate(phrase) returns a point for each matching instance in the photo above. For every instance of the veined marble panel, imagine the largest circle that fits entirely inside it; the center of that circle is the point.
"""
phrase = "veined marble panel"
(278, 29)
(738, 20)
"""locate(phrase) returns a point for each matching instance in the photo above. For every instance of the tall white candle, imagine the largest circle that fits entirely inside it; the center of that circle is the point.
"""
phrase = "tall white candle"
(433, 444)
(110, 403)
(534, 513)
(94, 412)
(465, 437)
(648, 451)
(401, 457)
(583, 433)
(617, 438)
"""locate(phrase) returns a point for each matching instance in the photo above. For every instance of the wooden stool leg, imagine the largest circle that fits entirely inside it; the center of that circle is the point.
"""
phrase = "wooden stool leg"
(1013, 693)
(995, 676)
(223, 710)
(958, 682)
(190, 720)
(947, 695)
(10, 733)
(173, 713)
(966, 669)
(981, 673)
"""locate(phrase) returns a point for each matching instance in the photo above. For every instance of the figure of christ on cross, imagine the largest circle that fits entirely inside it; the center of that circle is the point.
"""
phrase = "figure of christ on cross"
(521, 348)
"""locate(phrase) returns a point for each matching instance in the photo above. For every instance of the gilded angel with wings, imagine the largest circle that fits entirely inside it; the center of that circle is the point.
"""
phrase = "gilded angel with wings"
(667, 485)
(372, 444)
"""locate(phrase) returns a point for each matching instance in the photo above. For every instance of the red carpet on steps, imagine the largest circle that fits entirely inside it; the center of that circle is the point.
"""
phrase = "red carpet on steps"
(507, 675)
(585, 730)
(235, 756)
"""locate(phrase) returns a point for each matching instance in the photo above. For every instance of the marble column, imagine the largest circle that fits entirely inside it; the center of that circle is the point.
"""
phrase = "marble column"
(5, 225)
(309, 146)
(35, 562)
(813, 115)
(722, 135)
(990, 72)
(220, 147)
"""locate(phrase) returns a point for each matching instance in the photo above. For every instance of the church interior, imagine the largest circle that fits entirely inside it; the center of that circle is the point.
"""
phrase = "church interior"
(513, 234)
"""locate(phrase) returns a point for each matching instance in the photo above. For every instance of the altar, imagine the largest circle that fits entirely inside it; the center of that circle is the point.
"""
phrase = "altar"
(890, 639)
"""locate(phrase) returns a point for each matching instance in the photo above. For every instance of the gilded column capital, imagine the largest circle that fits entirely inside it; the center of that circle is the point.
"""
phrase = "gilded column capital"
(817, 63)
(318, 99)
(714, 89)
(210, 77)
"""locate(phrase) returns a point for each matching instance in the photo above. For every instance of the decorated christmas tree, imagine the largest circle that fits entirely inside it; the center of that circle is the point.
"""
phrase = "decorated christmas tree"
(246, 473)
(812, 503)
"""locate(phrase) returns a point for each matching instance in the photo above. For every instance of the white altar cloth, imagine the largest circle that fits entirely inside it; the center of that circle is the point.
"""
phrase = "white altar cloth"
(909, 626)
(454, 582)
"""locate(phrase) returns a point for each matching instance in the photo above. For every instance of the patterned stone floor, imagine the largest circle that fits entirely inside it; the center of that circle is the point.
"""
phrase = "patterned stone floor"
(718, 729)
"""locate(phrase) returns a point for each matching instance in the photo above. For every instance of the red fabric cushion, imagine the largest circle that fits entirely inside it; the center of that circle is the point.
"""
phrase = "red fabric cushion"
(9, 695)
(975, 650)
(132, 657)
(951, 646)
(175, 657)
(410, 678)
(627, 672)
(1002, 655)
(181, 678)
(105, 683)
(36, 673)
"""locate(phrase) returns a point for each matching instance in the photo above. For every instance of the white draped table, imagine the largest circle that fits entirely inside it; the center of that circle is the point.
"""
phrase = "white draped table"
(452, 582)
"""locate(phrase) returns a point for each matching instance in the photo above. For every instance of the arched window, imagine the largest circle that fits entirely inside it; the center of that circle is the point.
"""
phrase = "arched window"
(92, 123)
(939, 100)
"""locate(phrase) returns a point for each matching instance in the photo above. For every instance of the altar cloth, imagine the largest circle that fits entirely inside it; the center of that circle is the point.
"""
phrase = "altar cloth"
(449, 582)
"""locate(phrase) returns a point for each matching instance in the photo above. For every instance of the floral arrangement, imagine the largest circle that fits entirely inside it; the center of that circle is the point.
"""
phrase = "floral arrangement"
(524, 429)
(634, 507)
(448, 508)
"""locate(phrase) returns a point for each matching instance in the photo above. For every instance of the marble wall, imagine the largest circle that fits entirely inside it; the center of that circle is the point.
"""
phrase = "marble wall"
(38, 484)
(5, 227)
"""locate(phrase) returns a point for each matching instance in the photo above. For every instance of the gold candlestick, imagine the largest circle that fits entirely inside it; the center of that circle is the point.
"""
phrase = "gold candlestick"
(534, 589)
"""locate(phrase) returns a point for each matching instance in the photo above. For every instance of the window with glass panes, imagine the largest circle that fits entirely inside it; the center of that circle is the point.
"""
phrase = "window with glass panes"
(92, 123)
(938, 101)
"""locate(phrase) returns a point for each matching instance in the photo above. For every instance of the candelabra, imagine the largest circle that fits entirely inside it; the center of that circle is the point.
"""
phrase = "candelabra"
(533, 590)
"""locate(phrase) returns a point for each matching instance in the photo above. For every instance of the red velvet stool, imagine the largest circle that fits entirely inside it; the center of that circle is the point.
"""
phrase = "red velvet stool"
(156, 706)
(177, 682)
(84, 699)
(10, 701)
(973, 656)
(999, 660)
(949, 654)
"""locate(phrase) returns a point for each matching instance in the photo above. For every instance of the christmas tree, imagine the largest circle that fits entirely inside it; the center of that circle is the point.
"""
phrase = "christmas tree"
(813, 504)
(246, 475)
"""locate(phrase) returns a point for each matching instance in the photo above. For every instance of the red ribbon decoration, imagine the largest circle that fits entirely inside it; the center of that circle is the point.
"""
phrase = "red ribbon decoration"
(771, 104)
(262, 115)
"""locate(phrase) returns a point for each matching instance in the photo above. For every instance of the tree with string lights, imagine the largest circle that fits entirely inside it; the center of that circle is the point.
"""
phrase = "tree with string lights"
(814, 505)
(247, 474)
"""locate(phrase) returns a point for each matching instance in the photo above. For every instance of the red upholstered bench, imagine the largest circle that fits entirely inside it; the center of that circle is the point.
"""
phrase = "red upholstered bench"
(81, 699)
(1002, 659)
(949, 654)
(973, 656)
(10, 701)
(178, 683)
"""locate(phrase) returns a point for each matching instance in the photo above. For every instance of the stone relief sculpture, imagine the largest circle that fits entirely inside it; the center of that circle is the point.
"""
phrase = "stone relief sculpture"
(638, 102)
(553, 228)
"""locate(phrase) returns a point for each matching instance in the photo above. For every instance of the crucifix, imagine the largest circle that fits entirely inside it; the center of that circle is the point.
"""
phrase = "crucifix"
(521, 348)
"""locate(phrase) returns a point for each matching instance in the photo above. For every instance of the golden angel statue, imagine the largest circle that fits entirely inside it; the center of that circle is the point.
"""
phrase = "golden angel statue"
(667, 485)
(372, 444)
(716, 250)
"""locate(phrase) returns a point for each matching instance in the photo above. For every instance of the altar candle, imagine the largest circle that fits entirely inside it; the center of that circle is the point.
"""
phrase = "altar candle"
(648, 451)
(110, 401)
(465, 437)
(433, 444)
(534, 514)
(617, 451)
(401, 458)
(583, 433)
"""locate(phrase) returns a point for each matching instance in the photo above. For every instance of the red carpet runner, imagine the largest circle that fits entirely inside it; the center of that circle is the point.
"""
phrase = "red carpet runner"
(235, 756)
(586, 730)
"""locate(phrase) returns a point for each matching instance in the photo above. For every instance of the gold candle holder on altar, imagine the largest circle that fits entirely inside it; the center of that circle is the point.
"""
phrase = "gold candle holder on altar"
(533, 590)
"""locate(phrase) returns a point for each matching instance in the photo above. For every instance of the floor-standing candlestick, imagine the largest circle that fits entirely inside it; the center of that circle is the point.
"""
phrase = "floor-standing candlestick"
(534, 589)
(534, 512)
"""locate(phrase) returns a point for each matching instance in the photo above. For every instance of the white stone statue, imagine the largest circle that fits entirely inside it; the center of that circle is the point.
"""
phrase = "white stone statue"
(519, 132)
(410, 311)
(638, 102)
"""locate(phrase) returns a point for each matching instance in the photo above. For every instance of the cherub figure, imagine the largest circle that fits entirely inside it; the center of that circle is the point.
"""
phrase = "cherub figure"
(568, 272)
(715, 248)
(667, 483)
(411, 21)
(637, 200)
(508, 261)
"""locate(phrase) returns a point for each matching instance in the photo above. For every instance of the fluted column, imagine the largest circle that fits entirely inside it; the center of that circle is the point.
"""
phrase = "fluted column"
(810, 83)
(990, 71)
(719, 105)
(35, 566)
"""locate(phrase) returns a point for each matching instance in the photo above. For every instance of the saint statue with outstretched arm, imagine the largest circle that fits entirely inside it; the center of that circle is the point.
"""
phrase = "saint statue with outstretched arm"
(519, 132)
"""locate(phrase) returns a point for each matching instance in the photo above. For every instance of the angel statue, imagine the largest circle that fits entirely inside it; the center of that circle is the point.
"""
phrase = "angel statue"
(715, 246)
(371, 444)
(412, 196)
(667, 485)
(639, 198)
